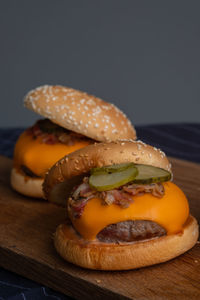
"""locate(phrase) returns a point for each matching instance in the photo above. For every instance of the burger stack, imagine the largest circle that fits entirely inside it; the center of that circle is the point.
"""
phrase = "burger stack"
(122, 209)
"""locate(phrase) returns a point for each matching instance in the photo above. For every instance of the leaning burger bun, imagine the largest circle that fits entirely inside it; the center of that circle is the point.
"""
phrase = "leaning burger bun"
(103, 256)
(80, 112)
(68, 170)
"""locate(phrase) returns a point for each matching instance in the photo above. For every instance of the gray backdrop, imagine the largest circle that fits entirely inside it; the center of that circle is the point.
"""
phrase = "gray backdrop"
(144, 56)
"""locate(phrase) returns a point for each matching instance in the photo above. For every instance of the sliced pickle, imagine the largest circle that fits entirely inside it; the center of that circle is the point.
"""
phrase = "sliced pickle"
(112, 169)
(105, 181)
(149, 174)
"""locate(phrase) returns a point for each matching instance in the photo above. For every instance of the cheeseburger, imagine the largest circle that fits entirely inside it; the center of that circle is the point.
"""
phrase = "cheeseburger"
(74, 120)
(124, 211)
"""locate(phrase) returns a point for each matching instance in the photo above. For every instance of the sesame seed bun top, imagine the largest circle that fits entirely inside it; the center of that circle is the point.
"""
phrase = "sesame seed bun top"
(80, 112)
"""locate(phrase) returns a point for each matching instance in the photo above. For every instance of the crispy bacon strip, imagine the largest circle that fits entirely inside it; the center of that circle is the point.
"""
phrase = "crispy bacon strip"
(156, 189)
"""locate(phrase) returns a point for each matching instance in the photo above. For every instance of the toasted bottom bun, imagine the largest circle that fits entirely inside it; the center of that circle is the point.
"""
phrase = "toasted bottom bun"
(102, 256)
(26, 185)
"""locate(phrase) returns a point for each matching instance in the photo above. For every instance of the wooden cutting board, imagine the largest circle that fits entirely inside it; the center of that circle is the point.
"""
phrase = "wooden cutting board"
(26, 247)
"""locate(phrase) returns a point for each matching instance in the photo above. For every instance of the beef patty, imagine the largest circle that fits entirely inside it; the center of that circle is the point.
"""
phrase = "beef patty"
(129, 231)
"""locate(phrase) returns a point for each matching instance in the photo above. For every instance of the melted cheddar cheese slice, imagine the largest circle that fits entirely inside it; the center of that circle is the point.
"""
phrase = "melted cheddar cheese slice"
(38, 156)
(171, 211)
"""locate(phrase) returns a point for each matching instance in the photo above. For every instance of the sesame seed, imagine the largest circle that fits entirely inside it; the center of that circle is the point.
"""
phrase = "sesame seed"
(33, 104)
(91, 102)
(163, 154)
(105, 107)
(142, 143)
(114, 131)
(96, 110)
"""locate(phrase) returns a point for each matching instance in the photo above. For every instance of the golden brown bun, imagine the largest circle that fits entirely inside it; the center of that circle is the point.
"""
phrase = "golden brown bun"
(102, 256)
(80, 112)
(26, 185)
(69, 170)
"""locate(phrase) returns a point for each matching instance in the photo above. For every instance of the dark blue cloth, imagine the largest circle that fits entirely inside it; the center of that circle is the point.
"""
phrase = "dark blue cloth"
(15, 287)
(178, 140)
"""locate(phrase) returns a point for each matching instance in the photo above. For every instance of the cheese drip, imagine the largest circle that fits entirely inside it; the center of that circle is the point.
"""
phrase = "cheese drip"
(38, 156)
(171, 212)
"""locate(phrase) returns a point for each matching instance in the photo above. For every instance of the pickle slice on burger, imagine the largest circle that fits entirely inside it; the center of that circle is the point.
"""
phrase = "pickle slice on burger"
(73, 120)
(109, 177)
(106, 181)
(129, 224)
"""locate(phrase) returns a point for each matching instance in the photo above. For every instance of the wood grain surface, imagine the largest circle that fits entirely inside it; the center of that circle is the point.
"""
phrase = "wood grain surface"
(26, 247)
